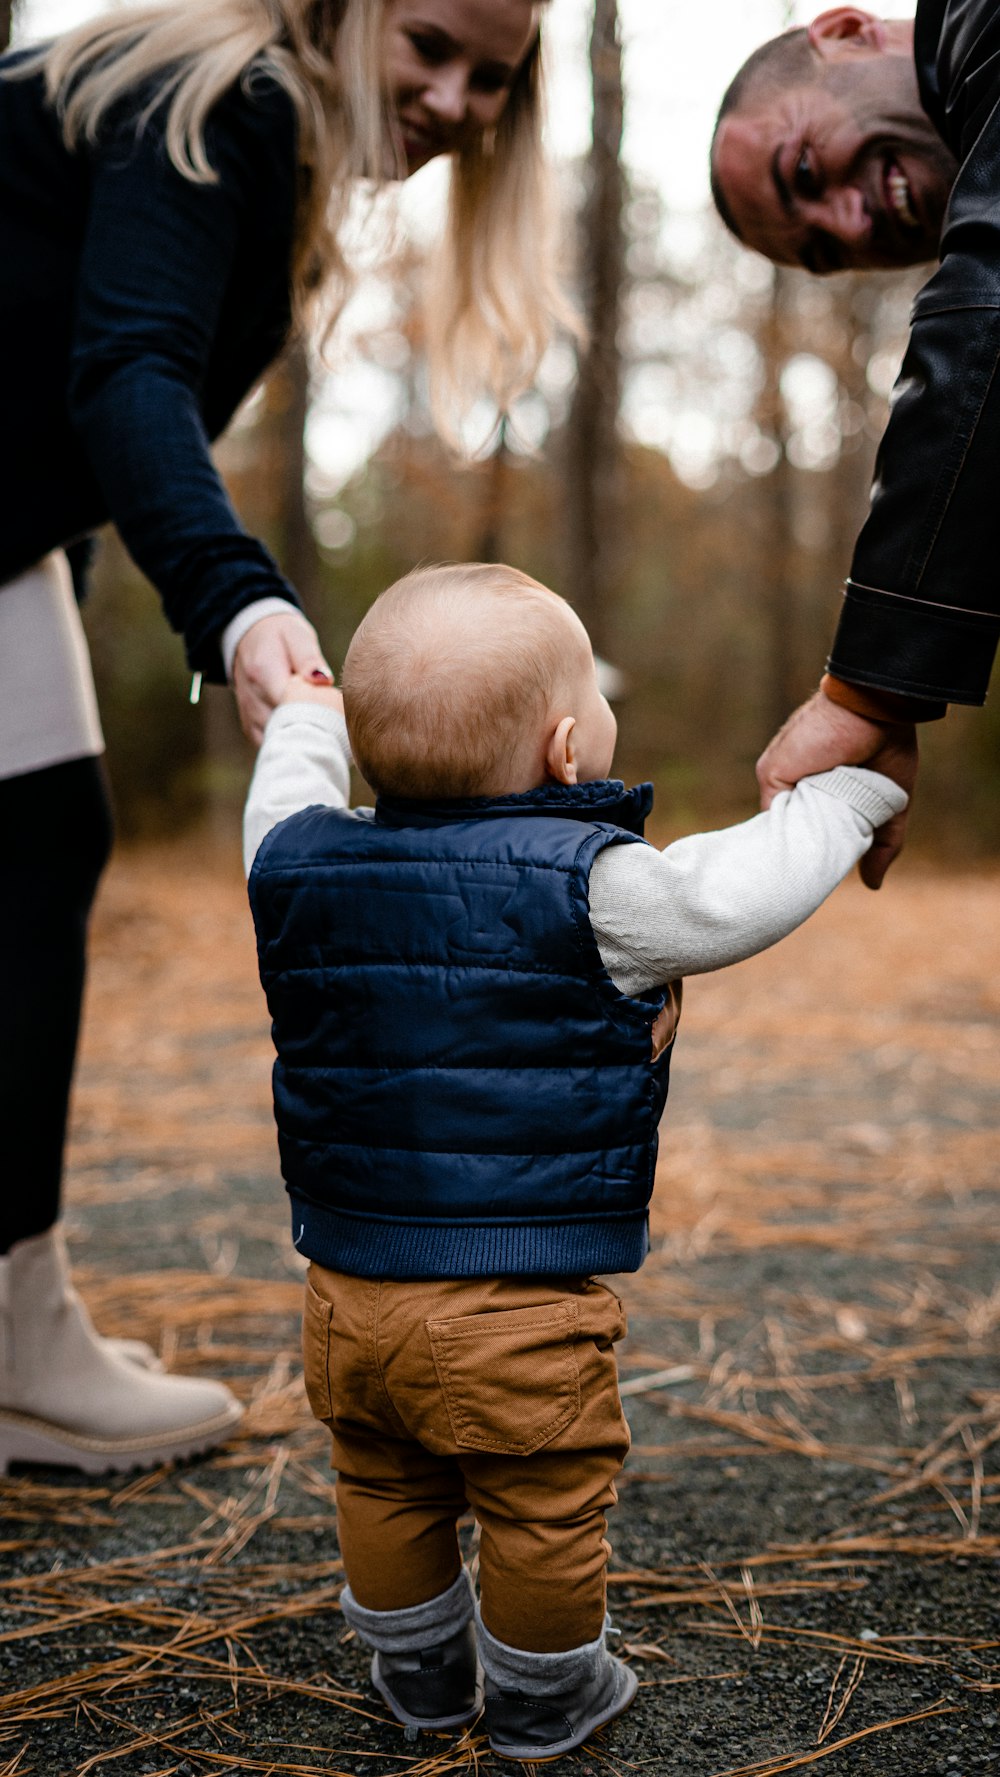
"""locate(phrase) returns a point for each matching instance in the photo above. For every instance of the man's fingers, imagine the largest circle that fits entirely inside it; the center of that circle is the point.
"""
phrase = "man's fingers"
(770, 782)
(772, 767)
(886, 846)
(899, 758)
(817, 736)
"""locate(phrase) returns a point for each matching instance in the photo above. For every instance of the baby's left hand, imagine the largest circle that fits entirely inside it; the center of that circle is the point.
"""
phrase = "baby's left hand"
(299, 690)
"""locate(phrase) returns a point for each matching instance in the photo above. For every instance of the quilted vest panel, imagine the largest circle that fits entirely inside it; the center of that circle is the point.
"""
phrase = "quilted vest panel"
(460, 1089)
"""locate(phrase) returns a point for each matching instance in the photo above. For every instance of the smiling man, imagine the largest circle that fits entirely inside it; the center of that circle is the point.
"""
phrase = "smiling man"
(825, 155)
(864, 143)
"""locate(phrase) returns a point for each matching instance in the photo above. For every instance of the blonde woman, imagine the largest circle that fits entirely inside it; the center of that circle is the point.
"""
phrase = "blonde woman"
(172, 180)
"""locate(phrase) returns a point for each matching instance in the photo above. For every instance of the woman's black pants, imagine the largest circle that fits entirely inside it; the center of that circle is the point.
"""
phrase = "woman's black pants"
(55, 836)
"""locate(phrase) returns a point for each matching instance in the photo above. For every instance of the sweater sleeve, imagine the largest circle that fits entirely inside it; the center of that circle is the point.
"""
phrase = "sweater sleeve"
(717, 898)
(304, 761)
(157, 256)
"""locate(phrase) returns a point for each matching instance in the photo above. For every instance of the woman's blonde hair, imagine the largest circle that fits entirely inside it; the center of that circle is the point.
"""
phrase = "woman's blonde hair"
(493, 294)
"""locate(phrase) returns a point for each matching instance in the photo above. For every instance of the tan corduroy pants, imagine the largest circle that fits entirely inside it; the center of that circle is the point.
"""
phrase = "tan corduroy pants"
(491, 1394)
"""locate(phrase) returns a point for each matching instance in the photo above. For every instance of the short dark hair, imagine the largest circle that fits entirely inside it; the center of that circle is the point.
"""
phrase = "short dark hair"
(782, 61)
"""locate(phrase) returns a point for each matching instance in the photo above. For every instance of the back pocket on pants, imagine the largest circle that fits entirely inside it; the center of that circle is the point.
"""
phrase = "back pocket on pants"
(510, 1380)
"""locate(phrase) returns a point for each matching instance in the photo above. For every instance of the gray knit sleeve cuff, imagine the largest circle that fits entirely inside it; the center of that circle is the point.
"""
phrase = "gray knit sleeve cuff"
(870, 793)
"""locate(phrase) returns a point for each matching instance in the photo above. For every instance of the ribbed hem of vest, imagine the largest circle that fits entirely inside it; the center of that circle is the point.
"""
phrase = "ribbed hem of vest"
(398, 1250)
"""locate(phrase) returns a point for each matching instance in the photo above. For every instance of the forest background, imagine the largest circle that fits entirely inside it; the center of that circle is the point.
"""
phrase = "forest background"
(692, 477)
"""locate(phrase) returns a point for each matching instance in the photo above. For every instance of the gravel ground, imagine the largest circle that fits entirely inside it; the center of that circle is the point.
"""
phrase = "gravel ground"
(806, 1547)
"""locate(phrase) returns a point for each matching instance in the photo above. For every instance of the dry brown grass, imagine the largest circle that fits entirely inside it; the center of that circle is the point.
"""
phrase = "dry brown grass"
(176, 1078)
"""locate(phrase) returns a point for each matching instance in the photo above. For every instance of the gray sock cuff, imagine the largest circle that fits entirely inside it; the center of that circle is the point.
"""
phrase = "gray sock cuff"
(539, 1675)
(419, 1626)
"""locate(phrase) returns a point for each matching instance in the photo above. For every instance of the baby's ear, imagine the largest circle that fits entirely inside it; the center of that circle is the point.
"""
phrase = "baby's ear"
(560, 754)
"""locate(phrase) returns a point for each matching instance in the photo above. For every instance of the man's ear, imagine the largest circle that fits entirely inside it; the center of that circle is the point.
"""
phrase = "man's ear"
(844, 29)
(560, 754)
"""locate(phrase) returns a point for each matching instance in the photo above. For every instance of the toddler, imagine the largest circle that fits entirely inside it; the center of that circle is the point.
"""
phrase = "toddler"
(474, 990)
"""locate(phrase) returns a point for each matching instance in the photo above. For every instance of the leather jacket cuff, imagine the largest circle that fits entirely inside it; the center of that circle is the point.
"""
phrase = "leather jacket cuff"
(889, 642)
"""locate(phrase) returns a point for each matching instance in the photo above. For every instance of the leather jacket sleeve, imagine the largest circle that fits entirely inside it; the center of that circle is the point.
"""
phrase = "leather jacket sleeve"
(921, 614)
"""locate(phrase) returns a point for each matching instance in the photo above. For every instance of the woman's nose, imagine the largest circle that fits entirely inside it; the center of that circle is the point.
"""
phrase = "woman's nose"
(447, 95)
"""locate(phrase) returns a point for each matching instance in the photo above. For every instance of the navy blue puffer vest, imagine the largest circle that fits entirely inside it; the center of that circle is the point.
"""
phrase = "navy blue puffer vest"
(460, 1089)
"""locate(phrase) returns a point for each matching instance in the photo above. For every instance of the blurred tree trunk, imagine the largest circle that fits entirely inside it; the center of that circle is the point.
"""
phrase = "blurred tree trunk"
(282, 442)
(850, 484)
(593, 499)
(778, 590)
(491, 514)
(6, 19)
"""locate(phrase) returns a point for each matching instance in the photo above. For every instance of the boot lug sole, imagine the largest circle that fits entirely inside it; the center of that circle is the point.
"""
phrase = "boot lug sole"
(24, 1438)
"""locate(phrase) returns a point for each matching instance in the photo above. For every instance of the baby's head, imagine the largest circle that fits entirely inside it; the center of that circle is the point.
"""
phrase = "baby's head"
(474, 680)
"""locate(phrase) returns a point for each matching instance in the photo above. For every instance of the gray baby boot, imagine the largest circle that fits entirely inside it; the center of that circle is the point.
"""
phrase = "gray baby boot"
(424, 1666)
(539, 1706)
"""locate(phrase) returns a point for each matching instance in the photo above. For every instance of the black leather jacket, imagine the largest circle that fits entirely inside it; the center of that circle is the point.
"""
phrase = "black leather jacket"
(922, 609)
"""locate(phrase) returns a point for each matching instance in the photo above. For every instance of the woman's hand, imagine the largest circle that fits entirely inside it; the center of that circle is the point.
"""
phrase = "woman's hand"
(299, 690)
(269, 654)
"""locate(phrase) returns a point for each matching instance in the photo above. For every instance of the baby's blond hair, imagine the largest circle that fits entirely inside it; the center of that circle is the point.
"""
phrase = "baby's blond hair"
(450, 675)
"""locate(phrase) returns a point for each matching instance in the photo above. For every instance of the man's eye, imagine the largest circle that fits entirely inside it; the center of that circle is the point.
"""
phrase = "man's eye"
(804, 178)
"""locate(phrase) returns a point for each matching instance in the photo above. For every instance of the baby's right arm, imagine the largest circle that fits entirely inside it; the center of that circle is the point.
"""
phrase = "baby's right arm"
(717, 898)
(304, 760)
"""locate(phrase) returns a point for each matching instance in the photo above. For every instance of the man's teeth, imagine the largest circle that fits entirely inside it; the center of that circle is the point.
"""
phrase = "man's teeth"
(899, 196)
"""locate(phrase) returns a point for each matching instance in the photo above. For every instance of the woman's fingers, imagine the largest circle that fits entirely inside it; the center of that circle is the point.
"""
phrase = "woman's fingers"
(268, 655)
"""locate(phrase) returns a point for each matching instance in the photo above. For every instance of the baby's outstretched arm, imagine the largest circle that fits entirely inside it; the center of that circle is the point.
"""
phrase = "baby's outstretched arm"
(717, 898)
(304, 760)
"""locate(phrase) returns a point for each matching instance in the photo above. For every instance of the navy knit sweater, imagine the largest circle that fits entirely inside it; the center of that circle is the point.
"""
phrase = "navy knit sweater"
(137, 310)
(460, 1089)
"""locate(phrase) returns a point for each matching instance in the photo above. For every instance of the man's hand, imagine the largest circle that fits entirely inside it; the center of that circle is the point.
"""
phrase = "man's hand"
(270, 652)
(820, 735)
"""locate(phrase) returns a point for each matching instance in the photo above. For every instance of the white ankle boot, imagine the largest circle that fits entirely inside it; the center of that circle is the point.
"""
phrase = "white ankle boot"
(69, 1397)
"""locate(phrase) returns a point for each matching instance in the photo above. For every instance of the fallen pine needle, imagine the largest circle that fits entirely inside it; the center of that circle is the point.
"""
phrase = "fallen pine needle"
(836, 1707)
(670, 1378)
(793, 1761)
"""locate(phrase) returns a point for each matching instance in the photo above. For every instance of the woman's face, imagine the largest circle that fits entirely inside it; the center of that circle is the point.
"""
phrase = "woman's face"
(449, 66)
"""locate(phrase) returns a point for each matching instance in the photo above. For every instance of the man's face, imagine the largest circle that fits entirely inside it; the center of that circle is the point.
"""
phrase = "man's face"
(846, 172)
